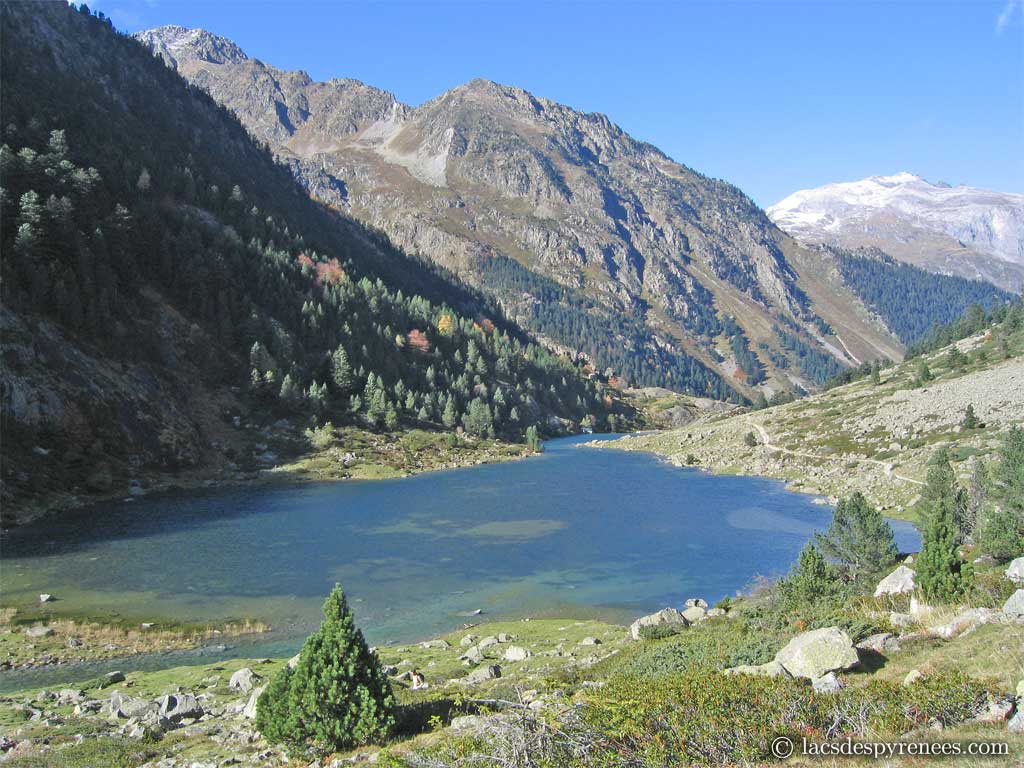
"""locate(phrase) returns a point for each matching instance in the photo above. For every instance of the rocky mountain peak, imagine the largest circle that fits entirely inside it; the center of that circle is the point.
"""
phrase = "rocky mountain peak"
(171, 41)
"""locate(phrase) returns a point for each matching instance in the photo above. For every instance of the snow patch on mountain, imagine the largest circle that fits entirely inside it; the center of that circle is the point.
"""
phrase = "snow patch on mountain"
(990, 222)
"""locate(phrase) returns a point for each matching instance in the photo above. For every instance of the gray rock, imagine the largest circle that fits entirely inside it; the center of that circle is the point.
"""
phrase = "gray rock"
(505, 637)
(487, 642)
(816, 653)
(1014, 606)
(243, 680)
(1016, 724)
(113, 677)
(715, 612)
(179, 706)
(467, 640)
(827, 683)
(1015, 571)
(913, 676)
(482, 674)
(249, 712)
(590, 641)
(694, 613)
(38, 630)
(965, 621)
(997, 711)
(664, 616)
(293, 662)
(899, 582)
(696, 602)
(517, 653)
(435, 644)
(46, 598)
(883, 643)
(473, 655)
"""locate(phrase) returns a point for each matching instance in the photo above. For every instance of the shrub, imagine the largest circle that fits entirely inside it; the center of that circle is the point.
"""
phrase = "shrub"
(713, 718)
(750, 439)
(337, 697)
(660, 631)
(1001, 534)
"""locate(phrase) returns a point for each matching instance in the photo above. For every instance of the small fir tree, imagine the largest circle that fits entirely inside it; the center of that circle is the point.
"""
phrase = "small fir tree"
(941, 575)
(337, 697)
(810, 580)
(970, 419)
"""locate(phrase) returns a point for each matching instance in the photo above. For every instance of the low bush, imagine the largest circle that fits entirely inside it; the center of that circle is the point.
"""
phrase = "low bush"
(708, 717)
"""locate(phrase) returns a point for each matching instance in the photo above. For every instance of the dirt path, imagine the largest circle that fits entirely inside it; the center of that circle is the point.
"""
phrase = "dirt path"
(767, 442)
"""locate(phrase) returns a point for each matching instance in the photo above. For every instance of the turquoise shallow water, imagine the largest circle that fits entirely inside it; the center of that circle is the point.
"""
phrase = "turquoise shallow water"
(572, 532)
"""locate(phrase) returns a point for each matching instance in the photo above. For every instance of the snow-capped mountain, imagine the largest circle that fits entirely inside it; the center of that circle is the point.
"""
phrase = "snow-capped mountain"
(957, 230)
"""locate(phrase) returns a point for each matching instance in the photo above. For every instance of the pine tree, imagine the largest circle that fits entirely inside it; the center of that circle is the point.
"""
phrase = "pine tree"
(876, 373)
(970, 419)
(337, 697)
(858, 538)
(533, 439)
(941, 575)
(450, 416)
(943, 496)
(810, 580)
(341, 371)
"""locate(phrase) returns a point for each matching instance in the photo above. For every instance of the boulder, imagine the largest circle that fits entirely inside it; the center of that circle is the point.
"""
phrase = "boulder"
(46, 598)
(110, 678)
(696, 602)
(590, 641)
(1015, 571)
(517, 653)
(489, 672)
(473, 655)
(243, 680)
(435, 644)
(1016, 724)
(467, 641)
(965, 621)
(664, 616)
(715, 612)
(505, 637)
(694, 613)
(816, 653)
(249, 712)
(827, 683)
(883, 643)
(293, 662)
(913, 676)
(38, 630)
(1014, 606)
(487, 642)
(769, 669)
(997, 711)
(899, 582)
(179, 706)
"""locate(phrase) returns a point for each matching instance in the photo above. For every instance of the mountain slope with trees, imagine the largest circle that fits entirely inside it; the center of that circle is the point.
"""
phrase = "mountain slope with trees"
(597, 241)
(165, 283)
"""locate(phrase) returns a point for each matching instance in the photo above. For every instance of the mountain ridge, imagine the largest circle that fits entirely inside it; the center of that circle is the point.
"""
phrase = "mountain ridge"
(485, 174)
(961, 230)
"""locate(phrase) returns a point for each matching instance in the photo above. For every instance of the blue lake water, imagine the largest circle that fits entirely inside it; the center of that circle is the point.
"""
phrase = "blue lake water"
(573, 532)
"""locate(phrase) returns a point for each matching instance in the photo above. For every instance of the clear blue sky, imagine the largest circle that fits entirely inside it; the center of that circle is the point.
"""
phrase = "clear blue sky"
(772, 96)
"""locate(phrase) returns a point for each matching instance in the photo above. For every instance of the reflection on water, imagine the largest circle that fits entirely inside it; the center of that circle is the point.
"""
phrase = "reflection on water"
(574, 531)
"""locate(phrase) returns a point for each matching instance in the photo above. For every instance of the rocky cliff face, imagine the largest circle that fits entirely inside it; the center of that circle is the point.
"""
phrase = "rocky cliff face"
(486, 172)
(974, 233)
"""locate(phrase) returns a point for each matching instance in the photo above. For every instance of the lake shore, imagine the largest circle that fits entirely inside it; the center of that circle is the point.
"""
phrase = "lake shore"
(356, 454)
